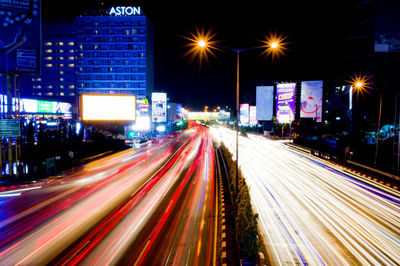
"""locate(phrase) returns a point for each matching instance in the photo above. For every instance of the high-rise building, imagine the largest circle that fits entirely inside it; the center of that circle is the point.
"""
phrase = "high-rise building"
(114, 53)
(101, 52)
(57, 77)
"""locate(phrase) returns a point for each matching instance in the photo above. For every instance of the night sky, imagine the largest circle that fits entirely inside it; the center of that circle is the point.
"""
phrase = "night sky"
(316, 34)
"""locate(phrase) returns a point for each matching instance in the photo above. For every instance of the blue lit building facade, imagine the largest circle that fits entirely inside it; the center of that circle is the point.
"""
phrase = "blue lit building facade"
(114, 55)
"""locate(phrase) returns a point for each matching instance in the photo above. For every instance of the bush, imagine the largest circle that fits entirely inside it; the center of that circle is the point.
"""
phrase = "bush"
(246, 220)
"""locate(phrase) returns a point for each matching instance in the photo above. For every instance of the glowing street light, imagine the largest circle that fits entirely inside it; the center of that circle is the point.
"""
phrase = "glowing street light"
(359, 83)
(202, 44)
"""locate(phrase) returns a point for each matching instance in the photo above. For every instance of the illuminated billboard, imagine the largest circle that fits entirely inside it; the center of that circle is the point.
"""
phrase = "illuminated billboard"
(265, 102)
(285, 102)
(253, 115)
(32, 106)
(244, 113)
(205, 116)
(159, 107)
(20, 35)
(108, 107)
(311, 100)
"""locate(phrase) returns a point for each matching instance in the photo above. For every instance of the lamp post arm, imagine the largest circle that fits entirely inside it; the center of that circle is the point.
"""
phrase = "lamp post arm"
(235, 50)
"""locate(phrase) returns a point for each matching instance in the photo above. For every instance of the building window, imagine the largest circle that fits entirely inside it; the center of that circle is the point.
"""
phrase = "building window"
(61, 93)
(61, 51)
(48, 43)
(61, 72)
(49, 94)
(71, 86)
(71, 44)
(61, 65)
(39, 94)
(71, 94)
(70, 58)
(60, 43)
(49, 65)
(61, 79)
(70, 65)
(48, 58)
(48, 51)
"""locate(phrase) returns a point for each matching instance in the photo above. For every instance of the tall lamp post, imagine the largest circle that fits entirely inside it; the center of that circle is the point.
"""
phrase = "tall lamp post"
(202, 44)
(360, 86)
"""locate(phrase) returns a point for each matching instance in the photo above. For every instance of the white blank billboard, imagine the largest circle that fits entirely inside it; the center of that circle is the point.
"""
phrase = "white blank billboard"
(264, 102)
(107, 107)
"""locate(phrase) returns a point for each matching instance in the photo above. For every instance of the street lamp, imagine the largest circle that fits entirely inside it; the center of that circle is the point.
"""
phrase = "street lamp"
(202, 44)
(360, 86)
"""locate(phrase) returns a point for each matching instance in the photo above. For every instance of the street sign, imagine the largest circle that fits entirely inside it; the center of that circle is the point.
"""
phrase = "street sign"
(9, 128)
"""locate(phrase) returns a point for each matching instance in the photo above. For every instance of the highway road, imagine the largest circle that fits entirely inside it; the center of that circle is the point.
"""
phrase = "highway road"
(150, 205)
(312, 212)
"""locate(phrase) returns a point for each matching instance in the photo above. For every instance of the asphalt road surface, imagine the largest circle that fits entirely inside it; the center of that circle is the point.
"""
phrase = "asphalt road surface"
(311, 212)
(153, 205)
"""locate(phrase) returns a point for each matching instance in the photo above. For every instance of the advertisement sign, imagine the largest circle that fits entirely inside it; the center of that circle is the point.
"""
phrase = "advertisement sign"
(223, 115)
(311, 99)
(253, 115)
(205, 116)
(10, 128)
(244, 113)
(159, 107)
(265, 102)
(285, 102)
(143, 105)
(107, 107)
(32, 106)
(20, 35)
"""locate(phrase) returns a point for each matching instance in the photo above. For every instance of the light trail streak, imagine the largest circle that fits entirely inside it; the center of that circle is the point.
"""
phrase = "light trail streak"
(312, 212)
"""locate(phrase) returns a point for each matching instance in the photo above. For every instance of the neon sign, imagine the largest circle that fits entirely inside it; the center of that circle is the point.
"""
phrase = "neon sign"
(124, 11)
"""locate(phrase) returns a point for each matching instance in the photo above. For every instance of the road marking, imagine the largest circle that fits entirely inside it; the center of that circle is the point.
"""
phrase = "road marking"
(141, 253)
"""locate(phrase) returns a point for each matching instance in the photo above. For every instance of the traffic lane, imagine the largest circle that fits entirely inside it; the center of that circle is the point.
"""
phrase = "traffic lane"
(333, 210)
(183, 230)
(110, 239)
(309, 227)
(49, 228)
(92, 174)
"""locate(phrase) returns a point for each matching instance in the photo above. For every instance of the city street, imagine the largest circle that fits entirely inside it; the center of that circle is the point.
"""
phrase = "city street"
(124, 208)
(311, 212)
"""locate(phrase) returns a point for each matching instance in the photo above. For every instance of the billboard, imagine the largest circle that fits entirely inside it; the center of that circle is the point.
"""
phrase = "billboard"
(311, 100)
(159, 107)
(223, 115)
(108, 107)
(265, 102)
(32, 106)
(202, 116)
(20, 36)
(253, 115)
(285, 102)
(244, 114)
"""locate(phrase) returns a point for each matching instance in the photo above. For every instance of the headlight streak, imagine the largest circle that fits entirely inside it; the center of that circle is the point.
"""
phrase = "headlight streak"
(14, 252)
(345, 218)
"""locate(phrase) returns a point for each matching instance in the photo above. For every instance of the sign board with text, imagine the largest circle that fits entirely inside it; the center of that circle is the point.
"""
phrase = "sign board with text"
(20, 36)
(10, 128)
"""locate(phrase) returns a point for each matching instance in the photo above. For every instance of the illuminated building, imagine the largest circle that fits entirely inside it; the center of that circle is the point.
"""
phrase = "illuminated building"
(114, 53)
(57, 77)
